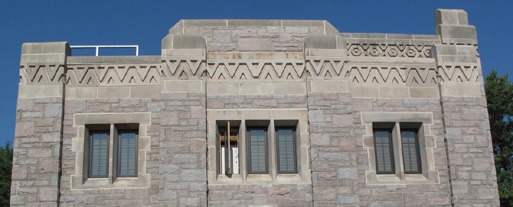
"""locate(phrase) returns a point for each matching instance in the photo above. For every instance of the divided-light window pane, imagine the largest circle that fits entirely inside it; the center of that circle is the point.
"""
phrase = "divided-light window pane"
(410, 147)
(286, 151)
(257, 150)
(384, 151)
(127, 166)
(99, 154)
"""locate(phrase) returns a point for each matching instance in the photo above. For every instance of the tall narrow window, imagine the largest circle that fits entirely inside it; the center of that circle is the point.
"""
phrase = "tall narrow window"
(384, 151)
(411, 154)
(127, 158)
(286, 150)
(257, 150)
(99, 154)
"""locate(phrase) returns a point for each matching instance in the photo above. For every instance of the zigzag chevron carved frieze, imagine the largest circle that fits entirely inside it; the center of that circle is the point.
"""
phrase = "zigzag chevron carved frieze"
(113, 75)
(459, 73)
(242, 69)
(389, 50)
(42, 74)
(183, 68)
(251, 69)
(373, 74)
(327, 68)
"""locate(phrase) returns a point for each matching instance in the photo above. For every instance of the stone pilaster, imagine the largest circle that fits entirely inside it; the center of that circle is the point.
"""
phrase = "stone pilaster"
(37, 146)
(182, 142)
(333, 146)
(466, 127)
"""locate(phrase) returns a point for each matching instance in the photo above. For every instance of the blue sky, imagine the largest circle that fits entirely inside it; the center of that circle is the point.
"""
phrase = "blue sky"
(145, 23)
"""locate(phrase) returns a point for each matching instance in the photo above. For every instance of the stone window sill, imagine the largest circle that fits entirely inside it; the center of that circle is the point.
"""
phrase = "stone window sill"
(142, 181)
(384, 179)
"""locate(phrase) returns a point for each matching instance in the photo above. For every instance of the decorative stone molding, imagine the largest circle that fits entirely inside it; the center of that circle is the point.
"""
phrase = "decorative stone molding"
(392, 74)
(263, 66)
(97, 75)
(326, 67)
(183, 68)
(44, 74)
(261, 69)
(459, 73)
(389, 50)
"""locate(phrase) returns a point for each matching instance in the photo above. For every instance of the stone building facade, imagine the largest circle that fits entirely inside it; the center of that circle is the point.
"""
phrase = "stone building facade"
(258, 113)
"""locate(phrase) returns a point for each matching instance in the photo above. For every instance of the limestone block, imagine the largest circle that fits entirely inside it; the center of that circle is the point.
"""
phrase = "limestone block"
(424, 92)
(113, 92)
(145, 92)
(360, 91)
(327, 86)
(39, 91)
(289, 88)
(222, 88)
(455, 34)
(45, 47)
(183, 86)
(451, 17)
(461, 89)
(325, 42)
(183, 42)
(81, 92)
(394, 92)
(255, 44)
(255, 88)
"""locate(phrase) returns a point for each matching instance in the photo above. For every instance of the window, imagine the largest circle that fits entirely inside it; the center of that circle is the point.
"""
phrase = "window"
(127, 153)
(286, 150)
(228, 148)
(411, 152)
(272, 149)
(124, 151)
(400, 147)
(110, 150)
(384, 151)
(384, 148)
(257, 151)
(98, 154)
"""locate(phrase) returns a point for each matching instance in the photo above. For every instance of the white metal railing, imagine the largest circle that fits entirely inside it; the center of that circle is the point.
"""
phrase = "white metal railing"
(97, 47)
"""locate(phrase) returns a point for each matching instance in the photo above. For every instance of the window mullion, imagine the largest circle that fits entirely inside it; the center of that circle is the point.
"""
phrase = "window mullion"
(272, 163)
(399, 160)
(112, 153)
(242, 151)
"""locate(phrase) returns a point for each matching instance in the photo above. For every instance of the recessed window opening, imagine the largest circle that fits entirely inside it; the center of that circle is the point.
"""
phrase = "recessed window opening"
(228, 150)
